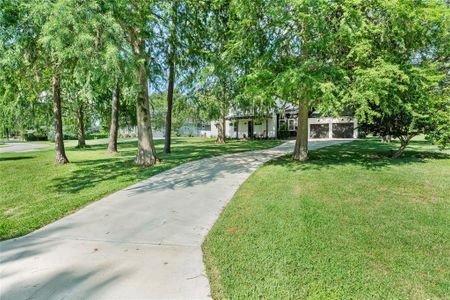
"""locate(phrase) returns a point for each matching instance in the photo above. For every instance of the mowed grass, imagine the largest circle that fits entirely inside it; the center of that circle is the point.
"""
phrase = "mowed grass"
(348, 224)
(34, 191)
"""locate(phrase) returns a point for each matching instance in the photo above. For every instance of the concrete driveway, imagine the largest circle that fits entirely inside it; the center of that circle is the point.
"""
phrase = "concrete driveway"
(143, 242)
(21, 147)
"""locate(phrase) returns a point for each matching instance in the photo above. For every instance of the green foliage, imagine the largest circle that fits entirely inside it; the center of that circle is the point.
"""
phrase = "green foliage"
(283, 132)
(398, 81)
(79, 40)
(34, 136)
(183, 110)
(294, 50)
(386, 61)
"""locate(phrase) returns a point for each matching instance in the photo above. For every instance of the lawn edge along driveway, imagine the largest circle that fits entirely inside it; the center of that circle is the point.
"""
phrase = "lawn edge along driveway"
(349, 223)
(141, 242)
(35, 191)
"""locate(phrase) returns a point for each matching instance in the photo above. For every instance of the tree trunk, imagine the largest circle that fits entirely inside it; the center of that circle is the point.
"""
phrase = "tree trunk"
(60, 153)
(386, 138)
(146, 155)
(267, 128)
(237, 128)
(170, 89)
(171, 84)
(301, 143)
(404, 142)
(80, 124)
(221, 130)
(113, 132)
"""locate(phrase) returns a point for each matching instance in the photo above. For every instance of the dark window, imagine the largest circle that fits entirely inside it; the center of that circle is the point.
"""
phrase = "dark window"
(319, 131)
(206, 127)
(343, 130)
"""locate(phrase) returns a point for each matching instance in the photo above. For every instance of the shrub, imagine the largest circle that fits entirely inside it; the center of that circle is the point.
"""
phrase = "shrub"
(34, 136)
(96, 135)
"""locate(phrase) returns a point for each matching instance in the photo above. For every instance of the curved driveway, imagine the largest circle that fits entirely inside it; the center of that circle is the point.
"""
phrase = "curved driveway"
(21, 147)
(143, 242)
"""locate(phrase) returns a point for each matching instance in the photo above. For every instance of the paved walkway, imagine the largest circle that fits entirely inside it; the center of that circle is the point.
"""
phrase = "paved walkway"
(142, 242)
(21, 147)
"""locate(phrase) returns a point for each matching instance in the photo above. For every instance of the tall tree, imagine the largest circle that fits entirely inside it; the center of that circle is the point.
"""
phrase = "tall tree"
(217, 84)
(23, 31)
(60, 153)
(114, 128)
(138, 19)
(292, 54)
(181, 45)
(81, 132)
(172, 65)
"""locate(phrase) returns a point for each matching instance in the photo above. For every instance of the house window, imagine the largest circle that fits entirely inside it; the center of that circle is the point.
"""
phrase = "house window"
(291, 125)
(206, 127)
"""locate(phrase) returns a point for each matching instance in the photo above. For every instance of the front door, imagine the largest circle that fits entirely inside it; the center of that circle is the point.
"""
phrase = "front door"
(250, 129)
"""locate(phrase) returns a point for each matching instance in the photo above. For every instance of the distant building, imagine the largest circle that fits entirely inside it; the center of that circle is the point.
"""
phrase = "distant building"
(191, 128)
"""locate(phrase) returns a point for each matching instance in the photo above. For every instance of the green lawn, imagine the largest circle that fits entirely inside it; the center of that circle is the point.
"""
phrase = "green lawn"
(34, 191)
(350, 223)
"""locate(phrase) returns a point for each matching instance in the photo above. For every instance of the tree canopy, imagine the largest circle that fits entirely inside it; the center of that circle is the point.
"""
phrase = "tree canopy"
(96, 63)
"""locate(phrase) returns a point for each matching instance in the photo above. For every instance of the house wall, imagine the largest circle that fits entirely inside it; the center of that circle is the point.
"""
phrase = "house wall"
(193, 130)
(214, 130)
(230, 129)
(259, 129)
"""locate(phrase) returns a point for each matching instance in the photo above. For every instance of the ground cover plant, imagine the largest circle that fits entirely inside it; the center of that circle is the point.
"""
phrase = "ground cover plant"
(34, 191)
(349, 223)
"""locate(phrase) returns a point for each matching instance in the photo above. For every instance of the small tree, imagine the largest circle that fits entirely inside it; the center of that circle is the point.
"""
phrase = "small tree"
(400, 105)
(398, 75)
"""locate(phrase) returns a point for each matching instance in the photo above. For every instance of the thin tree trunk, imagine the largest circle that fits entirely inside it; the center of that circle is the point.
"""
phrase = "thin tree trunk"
(170, 90)
(267, 128)
(301, 143)
(80, 124)
(171, 84)
(114, 129)
(221, 130)
(252, 134)
(60, 153)
(237, 129)
(146, 155)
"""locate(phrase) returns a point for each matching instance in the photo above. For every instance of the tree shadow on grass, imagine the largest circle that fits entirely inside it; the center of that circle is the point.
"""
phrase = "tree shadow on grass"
(369, 154)
(90, 173)
(97, 147)
(15, 158)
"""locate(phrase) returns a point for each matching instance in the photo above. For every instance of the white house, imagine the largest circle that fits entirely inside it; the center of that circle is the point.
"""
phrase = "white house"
(195, 129)
(283, 124)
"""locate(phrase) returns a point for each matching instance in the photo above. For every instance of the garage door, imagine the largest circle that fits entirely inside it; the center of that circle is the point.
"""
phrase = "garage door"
(343, 130)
